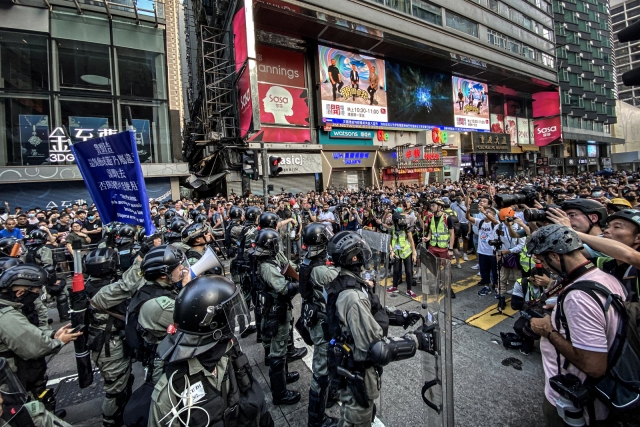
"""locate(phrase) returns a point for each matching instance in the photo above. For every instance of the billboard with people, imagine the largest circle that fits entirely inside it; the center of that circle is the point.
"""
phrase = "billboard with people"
(471, 109)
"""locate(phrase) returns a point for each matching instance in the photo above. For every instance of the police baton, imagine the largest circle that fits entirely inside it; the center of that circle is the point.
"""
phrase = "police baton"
(79, 304)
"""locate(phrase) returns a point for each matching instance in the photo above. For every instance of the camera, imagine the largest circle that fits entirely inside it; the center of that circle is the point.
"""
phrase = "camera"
(538, 214)
(574, 396)
(527, 195)
(533, 310)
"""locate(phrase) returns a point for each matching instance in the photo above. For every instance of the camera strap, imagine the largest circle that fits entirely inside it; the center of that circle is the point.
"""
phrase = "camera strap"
(571, 277)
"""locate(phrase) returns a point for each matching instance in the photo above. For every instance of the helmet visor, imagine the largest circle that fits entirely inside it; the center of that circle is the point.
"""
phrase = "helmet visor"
(237, 313)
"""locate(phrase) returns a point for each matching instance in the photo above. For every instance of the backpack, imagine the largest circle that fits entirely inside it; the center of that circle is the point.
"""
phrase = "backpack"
(456, 224)
(619, 388)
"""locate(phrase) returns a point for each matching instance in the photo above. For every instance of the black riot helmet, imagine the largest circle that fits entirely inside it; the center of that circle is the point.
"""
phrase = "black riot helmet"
(52, 276)
(344, 246)
(208, 311)
(101, 262)
(6, 245)
(175, 229)
(126, 234)
(192, 232)
(235, 213)
(252, 214)
(315, 238)
(193, 214)
(267, 243)
(169, 215)
(37, 237)
(8, 262)
(30, 275)
(200, 218)
(399, 221)
(161, 261)
(268, 220)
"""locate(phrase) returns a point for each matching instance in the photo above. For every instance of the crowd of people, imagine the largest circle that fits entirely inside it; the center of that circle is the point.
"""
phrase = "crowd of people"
(564, 249)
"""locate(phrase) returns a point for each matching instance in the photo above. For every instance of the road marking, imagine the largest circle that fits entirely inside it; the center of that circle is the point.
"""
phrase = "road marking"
(485, 321)
(56, 381)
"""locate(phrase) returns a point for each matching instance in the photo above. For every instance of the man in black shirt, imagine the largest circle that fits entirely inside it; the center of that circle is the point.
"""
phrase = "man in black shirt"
(92, 227)
(335, 77)
(355, 80)
(23, 224)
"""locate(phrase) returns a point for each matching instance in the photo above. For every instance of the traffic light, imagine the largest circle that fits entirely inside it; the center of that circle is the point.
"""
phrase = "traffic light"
(629, 34)
(250, 164)
(274, 166)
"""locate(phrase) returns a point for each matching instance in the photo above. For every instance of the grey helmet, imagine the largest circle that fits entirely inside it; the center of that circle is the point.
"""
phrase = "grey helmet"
(554, 238)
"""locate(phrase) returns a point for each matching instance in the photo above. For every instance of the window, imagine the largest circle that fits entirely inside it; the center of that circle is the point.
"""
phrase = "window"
(516, 17)
(141, 73)
(497, 39)
(503, 9)
(632, 13)
(427, 12)
(23, 61)
(84, 118)
(151, 126)
(24, 131)
(618, 18)
(527, 23)
(548, 60)
(617, 10)
(514, 45)
(623, 59)
(618, 27)
(633, 4)
(84, 66)
(547, 33)
(574, 58)
(575, 79)
(529, 52)
(401, 5)
(460, 23)
(493, 5)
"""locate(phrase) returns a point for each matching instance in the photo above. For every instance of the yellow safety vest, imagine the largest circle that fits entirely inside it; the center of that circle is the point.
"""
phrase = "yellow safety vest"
(526, 261)
(440, 234)
(400, 244)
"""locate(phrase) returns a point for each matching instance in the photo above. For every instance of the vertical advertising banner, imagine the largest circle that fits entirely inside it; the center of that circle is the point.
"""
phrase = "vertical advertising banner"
(245, 66)
(283, 96)
(352, 86)
(524, 135)
(471, 109)
(511, 127)
(546, 104)
(34, 138)
(546, 131)
(111, 171)
(497, 123)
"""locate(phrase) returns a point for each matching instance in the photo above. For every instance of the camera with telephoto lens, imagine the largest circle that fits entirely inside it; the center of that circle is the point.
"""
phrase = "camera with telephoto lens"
(574, 396)
(528, 195)
(538, 214)
(533, 310)
(496, 243)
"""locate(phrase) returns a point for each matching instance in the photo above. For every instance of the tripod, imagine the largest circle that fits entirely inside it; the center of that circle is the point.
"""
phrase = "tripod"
(501, 299)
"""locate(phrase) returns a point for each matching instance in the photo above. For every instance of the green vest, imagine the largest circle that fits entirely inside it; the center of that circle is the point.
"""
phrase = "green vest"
(400, 240)
(526, 261)
(440, 234)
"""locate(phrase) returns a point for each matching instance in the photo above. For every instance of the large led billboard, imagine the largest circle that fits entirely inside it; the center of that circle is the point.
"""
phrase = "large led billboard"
(471, 108)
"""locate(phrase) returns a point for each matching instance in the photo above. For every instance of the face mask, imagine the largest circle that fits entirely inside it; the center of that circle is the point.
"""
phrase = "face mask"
(399, 209)
(154, 211)
(28, 298)
(91, 218)
(31, 215)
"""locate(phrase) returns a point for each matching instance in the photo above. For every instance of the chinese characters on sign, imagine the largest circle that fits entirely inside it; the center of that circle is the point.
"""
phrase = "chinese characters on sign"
(490, 142)
(354, 158)
(419, 157)
(111, 171)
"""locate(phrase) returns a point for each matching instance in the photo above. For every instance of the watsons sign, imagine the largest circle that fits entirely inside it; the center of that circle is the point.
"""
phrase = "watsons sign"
(351, 134)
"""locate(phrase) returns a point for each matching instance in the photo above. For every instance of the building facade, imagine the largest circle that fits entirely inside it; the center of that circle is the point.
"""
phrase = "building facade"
(410, 73)
(587, 85)
(73, 71)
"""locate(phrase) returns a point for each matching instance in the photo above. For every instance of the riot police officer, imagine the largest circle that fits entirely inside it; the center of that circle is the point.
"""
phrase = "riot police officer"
(233, 230)
(314, 275)
(23, 344)
(150, 310)
(203, 357)
(358, 347)
(107, 322)
(275, 294)
(173, 235)
(197, 236)
(124, 245)
(7, 247)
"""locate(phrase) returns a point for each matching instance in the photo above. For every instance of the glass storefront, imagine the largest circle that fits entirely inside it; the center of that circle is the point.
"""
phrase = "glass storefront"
(52, 84)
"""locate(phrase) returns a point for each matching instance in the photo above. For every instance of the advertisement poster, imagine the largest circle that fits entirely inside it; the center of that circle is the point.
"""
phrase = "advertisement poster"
(240, 47)
(245, 107)
(591, 151)
(283, 105)
(142, 130)
(282, 96)
(510, 127)
(83, 128)
(418, 95)
(497, 123)
(546, 131)
(352, 86)
(524, 135)
(546, 104)
(471, 99)
(34, 139)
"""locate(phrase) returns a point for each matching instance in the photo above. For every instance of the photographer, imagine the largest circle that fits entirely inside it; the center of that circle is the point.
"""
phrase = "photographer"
(586, 216)
(351, 219)
(486, 258)
(591, 331)
(508, 252)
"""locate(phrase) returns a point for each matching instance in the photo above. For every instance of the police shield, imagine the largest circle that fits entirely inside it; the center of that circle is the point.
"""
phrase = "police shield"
(376, 269)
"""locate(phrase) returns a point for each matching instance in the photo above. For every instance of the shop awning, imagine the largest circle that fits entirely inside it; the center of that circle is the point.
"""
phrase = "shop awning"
(591, 137)
(201, 183)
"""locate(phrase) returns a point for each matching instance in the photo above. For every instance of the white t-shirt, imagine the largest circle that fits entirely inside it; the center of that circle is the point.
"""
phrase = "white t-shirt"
(326, 218)
(486, 232)
(589, 328)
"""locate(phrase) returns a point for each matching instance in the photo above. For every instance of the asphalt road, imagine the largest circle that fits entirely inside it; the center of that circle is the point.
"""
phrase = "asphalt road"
(492, 386)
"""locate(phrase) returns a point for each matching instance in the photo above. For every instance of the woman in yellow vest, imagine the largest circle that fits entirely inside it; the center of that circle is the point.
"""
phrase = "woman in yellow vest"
(403, 252)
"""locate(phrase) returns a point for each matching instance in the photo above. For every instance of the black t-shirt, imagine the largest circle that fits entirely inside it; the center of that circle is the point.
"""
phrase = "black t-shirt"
(371, 222)
(90, 226)
(334, 72)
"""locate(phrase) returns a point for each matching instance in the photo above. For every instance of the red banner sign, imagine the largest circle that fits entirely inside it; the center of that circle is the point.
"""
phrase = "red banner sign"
(546, 131)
